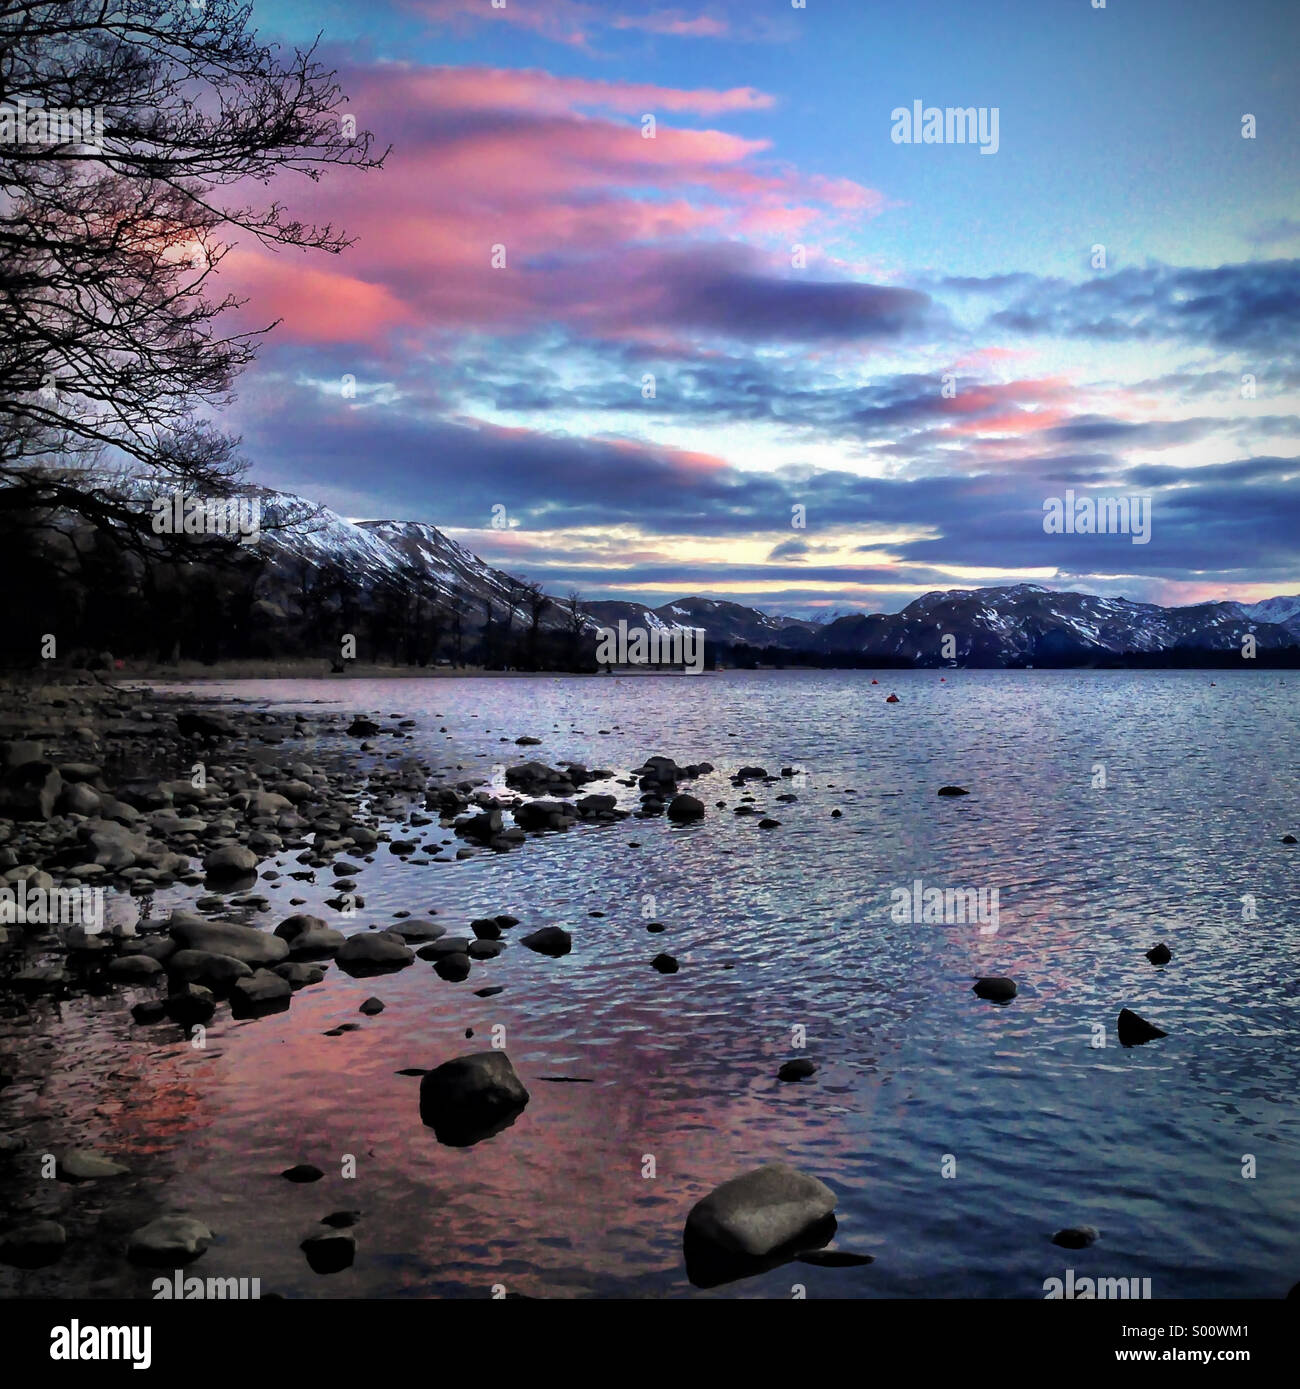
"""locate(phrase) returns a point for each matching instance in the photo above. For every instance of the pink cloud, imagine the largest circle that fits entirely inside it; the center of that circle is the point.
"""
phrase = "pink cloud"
(318, 305)
(569, 21)
(674, 23)
(535, 91)
(595, 219)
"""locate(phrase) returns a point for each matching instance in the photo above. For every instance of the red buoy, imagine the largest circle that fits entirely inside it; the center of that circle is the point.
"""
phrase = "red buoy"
(893, 699)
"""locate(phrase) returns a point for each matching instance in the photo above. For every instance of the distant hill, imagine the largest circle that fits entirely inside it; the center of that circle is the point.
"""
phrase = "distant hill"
(408, 592)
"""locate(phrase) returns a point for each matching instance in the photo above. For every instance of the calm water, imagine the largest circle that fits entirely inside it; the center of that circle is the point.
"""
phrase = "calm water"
(774, 929)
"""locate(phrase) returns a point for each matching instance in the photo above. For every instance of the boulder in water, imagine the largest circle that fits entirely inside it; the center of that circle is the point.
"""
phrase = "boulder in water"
(454, 967)
(757, 1213)
(33, 1245)
(168, 1241)
(1076, 1237)
(329, 1250)
(471, 1098)
(374, 952)
(244, 943)
(1134, 1031)
(220, 973)
(230, 861)
(549, 940)
(190, 1004)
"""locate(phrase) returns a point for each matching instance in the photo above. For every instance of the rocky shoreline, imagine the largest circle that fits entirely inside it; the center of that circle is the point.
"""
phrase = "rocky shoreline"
(127, 796)
(125, 793)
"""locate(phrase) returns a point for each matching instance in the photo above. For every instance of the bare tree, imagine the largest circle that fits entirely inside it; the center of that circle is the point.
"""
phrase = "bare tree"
(110, 347)
(575, 624)
(534, 604)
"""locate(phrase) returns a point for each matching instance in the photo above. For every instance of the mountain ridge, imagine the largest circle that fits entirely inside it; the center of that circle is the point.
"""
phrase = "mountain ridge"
(998, 625)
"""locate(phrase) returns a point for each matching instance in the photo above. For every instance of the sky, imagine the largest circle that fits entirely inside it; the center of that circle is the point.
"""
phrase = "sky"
(658, 300)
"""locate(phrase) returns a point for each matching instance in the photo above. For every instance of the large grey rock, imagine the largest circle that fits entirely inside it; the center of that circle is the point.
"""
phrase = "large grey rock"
(293, 926)
(444, 945)
(418, 930)
(262, 986)
(190, 1004)
(454, 967)
(169, 1240)
(79, 799)
(267, 803)
(160, 948)
(316, 943)
(244, 943)
(299, 974)
(545, 815)
(471, 1098)
(133, 968)
(374, 951)
(80, 771)
(760, 1211)
(85, 1165)
(220, 973)
(112, 845)
(230, 861)
(309, 937)
(549, 940)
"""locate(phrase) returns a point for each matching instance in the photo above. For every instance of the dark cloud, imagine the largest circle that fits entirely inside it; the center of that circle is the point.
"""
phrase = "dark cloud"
(1251, 306)
(1226, 521)
(716, 298)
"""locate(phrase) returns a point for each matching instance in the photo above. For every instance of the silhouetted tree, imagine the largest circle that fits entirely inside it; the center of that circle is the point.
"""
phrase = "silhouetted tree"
(109, 344)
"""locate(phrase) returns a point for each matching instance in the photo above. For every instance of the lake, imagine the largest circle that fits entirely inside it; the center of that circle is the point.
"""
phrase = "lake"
(1109, 810)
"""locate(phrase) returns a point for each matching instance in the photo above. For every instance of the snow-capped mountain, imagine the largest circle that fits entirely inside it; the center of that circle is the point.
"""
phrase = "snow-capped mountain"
(1285, 611)
(719, 620)
(1015, 625)
(374, 554)
(1027, 624)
